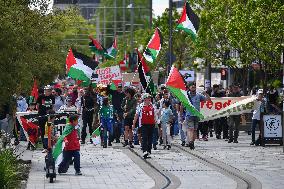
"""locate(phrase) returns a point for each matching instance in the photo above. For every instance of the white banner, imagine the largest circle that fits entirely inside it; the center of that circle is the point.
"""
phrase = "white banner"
(208, 108)
(188, 75)
(105, 75)
(227, 107)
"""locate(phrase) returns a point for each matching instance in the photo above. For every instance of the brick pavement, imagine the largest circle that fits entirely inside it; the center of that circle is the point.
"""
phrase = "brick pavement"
(101, 168)
(112, 168)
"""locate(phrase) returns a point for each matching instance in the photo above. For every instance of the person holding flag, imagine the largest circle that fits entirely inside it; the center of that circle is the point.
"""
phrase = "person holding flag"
(191, 121)
(70, 138)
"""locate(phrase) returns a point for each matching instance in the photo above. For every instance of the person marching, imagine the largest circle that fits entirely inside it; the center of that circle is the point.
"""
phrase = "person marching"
(191, 121)
(146, 115)
(129, 106)
(166, 118)
(45, 103)
(106, 121)
(71, 148)
(87, 103)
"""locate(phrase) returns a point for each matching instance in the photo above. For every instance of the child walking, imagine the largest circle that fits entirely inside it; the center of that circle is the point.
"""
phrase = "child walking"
(72, 147)
(166, 118)
(106, 120)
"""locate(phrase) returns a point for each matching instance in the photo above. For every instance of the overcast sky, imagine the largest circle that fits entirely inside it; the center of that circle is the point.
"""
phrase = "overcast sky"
(159, 6)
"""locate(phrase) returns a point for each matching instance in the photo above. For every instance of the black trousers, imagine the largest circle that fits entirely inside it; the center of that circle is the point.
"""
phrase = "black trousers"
(225, 127)
(87, 121)
(218, 126)
(41, 122)
(147, 137)
(118, 124)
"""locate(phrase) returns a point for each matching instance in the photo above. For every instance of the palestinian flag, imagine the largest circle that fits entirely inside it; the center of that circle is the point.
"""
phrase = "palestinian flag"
(80, 66)
(176, 86)
(59, 146)
(34, 93)
(111, 52)
(96, 47)
(189, 21)
(96, 136)
(154, 46)
(31, 130)
(124, 64)
(145, 75)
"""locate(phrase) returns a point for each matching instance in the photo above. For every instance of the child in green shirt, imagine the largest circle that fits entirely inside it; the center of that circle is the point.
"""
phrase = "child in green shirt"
(106, 121)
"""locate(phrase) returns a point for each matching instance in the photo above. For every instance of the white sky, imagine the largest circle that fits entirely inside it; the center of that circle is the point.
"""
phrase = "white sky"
(159, 6)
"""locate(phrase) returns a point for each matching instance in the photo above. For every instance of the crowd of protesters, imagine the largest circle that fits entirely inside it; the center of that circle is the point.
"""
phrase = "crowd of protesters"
(131, 117)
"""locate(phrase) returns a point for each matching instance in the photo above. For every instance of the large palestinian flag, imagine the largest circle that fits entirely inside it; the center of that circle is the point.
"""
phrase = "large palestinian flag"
(80, 66)
(154, 46)
(176, 86)
(145, 75)
(111, 52)
(96, 47)
(59, 146)
(189, 21)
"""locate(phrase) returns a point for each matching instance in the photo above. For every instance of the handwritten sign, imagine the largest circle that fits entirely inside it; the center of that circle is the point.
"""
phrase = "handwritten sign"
(105, 75)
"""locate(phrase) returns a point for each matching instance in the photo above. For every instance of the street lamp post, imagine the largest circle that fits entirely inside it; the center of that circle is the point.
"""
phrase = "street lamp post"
(170, 35)
(132, 22)
(282, 62)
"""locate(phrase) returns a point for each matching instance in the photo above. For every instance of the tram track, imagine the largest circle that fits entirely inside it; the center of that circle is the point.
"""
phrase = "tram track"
(243, 180)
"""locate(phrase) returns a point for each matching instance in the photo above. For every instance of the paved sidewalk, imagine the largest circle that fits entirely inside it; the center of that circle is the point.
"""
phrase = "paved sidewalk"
(101, 168)
(266, 164)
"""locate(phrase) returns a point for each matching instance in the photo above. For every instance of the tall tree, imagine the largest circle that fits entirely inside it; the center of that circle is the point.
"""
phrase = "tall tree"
(32, 44)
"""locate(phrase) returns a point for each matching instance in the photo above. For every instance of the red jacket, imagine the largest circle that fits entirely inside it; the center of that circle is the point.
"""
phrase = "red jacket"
(72, 141)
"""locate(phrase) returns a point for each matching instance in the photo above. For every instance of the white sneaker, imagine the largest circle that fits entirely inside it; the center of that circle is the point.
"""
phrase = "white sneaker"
(148, 156)
(145, 155)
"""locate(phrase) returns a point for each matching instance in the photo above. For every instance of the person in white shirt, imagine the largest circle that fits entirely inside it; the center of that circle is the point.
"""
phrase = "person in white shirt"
(258, 109)
(68, 107)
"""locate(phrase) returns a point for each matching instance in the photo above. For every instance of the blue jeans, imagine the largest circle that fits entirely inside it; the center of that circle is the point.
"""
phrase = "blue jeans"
(253, 126)
(107, 126)
(67, 157)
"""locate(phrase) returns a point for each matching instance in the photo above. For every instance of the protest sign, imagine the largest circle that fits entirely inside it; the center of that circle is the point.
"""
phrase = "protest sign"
(188, 75)
(105, 75)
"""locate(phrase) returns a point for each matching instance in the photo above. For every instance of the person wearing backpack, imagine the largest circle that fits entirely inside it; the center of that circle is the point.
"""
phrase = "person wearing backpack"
(146, 115)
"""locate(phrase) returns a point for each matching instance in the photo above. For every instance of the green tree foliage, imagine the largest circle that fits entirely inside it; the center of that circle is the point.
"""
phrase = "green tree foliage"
(253, 28)
(33, 44)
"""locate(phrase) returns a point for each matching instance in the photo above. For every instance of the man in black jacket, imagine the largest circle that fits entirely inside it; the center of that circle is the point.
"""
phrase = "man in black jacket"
(117, 98)
(87, 104)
